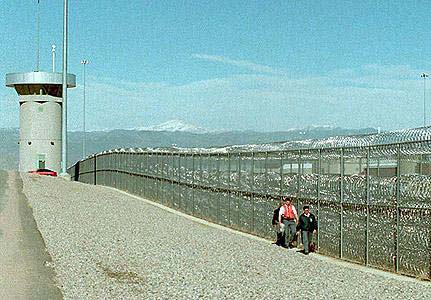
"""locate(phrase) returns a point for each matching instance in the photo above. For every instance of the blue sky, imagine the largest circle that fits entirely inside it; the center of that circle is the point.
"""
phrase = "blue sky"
(259, 65)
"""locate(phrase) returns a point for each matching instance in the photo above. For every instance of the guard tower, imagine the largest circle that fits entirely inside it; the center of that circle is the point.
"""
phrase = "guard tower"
(40, 100)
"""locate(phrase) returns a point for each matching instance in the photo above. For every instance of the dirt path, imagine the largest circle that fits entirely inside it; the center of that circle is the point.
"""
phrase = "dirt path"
(23, 259)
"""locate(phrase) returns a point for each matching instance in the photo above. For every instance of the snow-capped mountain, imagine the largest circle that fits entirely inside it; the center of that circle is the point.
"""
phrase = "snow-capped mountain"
(165, 135)
(175, 126)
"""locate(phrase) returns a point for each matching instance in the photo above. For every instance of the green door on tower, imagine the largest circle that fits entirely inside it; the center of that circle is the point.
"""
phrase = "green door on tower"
(41, 161)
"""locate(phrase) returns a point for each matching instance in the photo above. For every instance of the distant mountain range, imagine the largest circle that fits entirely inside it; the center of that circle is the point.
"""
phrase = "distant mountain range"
(175, 126)
(175, 132)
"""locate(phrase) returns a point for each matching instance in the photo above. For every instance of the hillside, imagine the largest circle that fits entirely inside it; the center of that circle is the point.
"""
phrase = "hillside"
(98, 141)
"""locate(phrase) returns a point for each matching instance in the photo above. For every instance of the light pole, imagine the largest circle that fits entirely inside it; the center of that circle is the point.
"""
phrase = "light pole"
(424, 76)
(38, 37)
(64, 96)
(84, 62)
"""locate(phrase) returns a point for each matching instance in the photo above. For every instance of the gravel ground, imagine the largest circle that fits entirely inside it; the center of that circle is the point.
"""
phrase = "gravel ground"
(109, 245)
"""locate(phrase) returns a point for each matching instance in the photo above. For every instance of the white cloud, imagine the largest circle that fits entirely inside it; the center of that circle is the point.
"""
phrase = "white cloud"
(240, 63)
(369, 96)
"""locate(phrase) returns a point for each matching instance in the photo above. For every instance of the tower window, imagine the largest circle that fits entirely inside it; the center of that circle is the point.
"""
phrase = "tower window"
(52, 143)
(29, 143)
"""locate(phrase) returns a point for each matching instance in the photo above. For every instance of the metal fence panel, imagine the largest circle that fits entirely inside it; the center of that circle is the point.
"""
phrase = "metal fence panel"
(373, 203)
(290, 172)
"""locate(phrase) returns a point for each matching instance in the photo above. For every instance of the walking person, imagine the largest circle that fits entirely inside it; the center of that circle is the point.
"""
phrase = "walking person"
(307, 225)
(289, 217)
(279, 227)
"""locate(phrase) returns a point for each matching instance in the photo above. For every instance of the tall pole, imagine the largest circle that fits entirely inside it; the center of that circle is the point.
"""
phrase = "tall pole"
(424, 76)
(38, 37)
(64, 105)
(84, 62)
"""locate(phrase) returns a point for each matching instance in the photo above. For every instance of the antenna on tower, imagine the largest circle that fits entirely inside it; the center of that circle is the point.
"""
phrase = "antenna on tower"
(38, 37)
(53, 58)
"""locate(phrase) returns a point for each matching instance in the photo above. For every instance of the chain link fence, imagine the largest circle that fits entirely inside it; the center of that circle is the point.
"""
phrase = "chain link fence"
(372, 197)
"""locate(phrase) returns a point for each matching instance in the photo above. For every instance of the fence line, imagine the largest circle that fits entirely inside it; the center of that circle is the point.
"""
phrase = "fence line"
(373, 203)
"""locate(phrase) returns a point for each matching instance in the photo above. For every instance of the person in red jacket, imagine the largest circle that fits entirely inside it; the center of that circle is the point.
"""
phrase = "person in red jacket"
(289, 217)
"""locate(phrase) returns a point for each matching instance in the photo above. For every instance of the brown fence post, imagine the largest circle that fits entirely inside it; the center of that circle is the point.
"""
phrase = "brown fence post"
(367, 228)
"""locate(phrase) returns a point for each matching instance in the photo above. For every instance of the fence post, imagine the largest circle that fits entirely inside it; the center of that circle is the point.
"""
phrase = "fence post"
(201, 181)
(95, 169)
(281, 173)
(238, 189)
(209, 169)
(319, 165)
(193, 183)
(162, 172)
(429, 250)
(161, 182)
(229, 188)
(179, 187)
(253, 207)
(114, 170)
(143, 179)
(239, 172)
(121, 169)
(398, 186)
(341, 200)
(155, 176)
(129, 172)
(104, 166)
(367, 228)
(266, 174)
(122, 174)
(126, 169)
(111, 168)
(107, 167)
(136, 171)
(175, 195)
(172, 180)
(217, 190)
(298, 187)
(139, 179)
(115, 177)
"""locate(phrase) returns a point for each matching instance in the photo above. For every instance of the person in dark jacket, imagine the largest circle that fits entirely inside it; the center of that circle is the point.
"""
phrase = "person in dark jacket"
(307, 225)
(276, 224)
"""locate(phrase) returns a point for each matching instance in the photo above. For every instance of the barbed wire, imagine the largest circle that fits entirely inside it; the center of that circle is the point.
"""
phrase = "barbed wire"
(404, 136)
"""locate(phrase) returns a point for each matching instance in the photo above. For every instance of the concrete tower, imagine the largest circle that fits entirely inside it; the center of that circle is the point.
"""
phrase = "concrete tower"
(40, 100)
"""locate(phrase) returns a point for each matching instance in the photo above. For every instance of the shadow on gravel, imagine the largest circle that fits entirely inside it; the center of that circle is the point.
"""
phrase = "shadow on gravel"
(3, 198)
(121, 276)
(33, 249)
